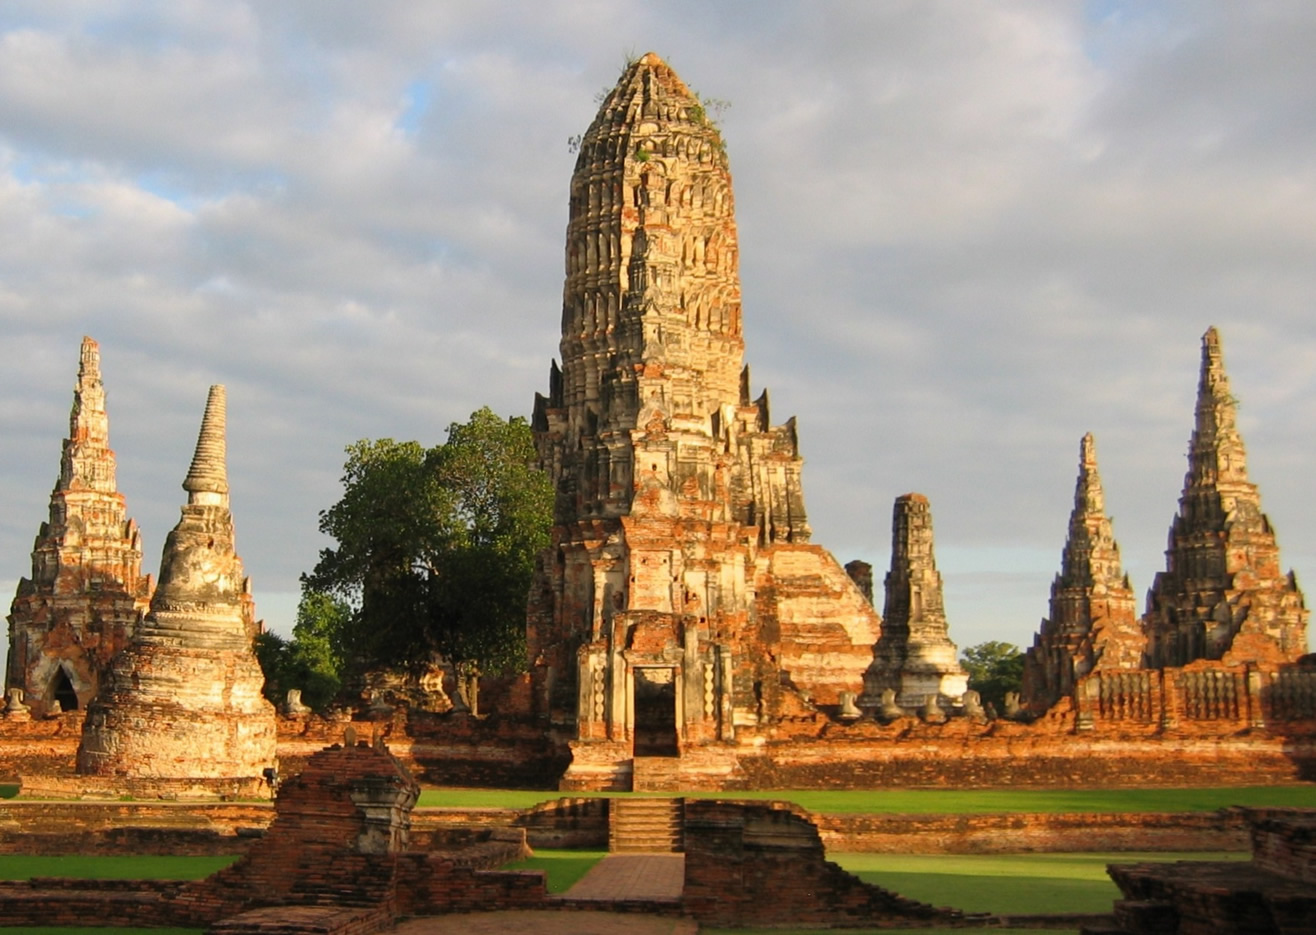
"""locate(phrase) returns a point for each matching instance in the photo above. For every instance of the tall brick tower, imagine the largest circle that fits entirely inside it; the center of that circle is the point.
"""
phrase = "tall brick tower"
(183, 701)
(915, 656)
(1222, 594)
(1093, 621)
(681, 600)
(87, 591)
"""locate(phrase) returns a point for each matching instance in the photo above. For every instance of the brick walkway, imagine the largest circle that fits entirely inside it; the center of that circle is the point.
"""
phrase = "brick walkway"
(621, 877)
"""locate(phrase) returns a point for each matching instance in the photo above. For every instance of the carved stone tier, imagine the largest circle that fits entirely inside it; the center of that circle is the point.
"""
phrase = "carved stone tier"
(1093, 622)
(1222, 594)
(87, 591)
(183, 700)
(680, 600)
(915, 656)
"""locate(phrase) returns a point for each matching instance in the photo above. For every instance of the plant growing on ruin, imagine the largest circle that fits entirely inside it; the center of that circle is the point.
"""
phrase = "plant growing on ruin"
(436, 547)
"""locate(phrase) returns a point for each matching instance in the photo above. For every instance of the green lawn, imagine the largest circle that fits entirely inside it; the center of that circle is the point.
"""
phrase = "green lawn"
(563, 868)
(23, 867)
(57, 930)
(945, 801)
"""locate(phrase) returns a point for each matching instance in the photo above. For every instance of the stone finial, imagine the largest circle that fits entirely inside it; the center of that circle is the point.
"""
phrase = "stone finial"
(931, 711)
(848, 710)
(973, 709)
(207, 479)
(15, 710)
(292, 704)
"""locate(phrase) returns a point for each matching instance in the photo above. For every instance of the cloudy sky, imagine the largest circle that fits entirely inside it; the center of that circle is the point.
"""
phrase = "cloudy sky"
(970, 232)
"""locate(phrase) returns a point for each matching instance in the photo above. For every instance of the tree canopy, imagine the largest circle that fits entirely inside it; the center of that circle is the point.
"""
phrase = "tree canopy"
(994, 668)
(436, 547)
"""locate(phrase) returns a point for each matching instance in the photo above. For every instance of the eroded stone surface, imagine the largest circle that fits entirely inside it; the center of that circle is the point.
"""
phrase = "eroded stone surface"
(183, 700)
(681, 600)
(914, 657)
(1093, 622)
(87, 591)
(1222, 595)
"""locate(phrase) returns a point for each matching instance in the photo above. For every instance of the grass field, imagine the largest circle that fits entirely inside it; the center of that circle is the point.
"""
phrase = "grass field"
(23, 867)
(945, 801)
(563, 868)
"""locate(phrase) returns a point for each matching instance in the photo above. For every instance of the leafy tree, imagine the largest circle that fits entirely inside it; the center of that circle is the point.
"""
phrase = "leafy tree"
(312, 660)
(994, 668)
(436, 547)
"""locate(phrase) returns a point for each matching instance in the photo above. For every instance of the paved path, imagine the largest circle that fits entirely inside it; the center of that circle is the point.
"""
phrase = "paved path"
(522, 922)
(632, 876)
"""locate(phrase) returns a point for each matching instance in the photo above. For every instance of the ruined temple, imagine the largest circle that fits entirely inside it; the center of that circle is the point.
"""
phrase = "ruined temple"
(1222, 595)
(914, 657)
(681, 601)
(87, 591)
(183, 701)
(1093, 621)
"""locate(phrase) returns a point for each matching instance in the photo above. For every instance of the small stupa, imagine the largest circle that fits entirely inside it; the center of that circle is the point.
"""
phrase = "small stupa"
(183, 701)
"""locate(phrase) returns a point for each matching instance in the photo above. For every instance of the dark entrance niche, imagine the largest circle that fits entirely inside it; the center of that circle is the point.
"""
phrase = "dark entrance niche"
(61, 690)
(655, 712)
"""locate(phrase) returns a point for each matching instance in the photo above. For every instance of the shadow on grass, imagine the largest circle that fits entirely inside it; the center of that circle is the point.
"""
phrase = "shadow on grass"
(134, 867)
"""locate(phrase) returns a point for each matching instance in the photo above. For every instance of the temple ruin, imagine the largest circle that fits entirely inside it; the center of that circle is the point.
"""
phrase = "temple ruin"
(1093, 621)
(1222, 595)
(183, 701)
(914, 656)
(681, 601)
(87, 592)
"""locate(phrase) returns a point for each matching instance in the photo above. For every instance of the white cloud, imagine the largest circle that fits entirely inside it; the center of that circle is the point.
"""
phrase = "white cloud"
(969, 233)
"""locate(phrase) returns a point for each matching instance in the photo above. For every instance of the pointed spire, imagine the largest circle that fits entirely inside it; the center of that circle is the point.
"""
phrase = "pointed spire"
(87, 462)
(207, 479)
(1215, 452)
(1090, 554)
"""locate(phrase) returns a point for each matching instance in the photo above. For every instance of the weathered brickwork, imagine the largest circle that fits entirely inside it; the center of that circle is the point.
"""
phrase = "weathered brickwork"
(1274, 894)
(183, 701)
(1222, 595)
(1093, 622)
(914, 657)
(680, 602)
(763, 864)
(86, 592)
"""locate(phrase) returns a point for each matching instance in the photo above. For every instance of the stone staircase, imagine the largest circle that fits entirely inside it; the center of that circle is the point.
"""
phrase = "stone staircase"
(645, 825)
(655, 774)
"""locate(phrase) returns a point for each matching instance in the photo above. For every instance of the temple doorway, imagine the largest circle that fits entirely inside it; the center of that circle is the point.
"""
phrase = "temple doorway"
(655, 712)
(61, 690)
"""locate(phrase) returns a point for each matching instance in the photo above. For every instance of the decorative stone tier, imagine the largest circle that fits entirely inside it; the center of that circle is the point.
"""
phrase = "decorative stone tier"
(183, 701)
(87, 592)
(1222, 594)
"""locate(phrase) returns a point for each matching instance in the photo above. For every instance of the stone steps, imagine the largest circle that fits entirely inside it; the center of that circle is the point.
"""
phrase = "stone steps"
(655, 774)
(645, 825)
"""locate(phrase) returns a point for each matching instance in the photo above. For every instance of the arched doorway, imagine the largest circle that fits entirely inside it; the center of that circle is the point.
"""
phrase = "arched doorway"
(655, 711)
(61, 690)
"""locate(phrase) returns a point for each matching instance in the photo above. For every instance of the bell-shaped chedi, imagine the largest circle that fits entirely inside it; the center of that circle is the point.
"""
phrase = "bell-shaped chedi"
(915, 656)
(1093, 622)
(1222, 594)
(183, 701)
(87, 591)
(681, 589)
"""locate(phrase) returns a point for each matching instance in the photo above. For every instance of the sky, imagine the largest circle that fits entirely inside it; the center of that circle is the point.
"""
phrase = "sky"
(969, 233)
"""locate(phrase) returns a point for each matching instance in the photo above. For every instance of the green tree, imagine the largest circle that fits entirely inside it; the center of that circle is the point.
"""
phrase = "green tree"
(312, 660)
(994, 668)
(436, 547)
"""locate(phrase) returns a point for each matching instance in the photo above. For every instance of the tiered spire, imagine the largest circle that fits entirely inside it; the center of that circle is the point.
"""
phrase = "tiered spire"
(1222, 595)
(87, 590)
(1093, 622)
(915, 655)
(183, 701)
